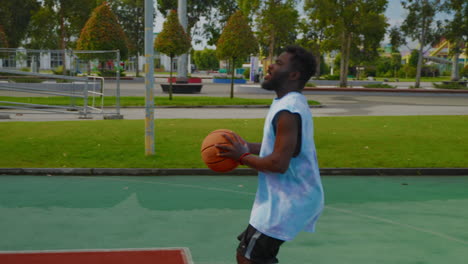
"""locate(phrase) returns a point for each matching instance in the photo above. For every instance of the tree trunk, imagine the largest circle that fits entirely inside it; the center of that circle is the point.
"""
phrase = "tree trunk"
(62, 41)
(455, 76)
(170, 80)
(232, 77)
(137, 71)
(271, 48)
(422, 43)
(318, 60)
(345, 60)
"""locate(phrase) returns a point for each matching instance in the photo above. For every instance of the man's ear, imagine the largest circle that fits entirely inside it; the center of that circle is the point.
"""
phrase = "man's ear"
(294, 75)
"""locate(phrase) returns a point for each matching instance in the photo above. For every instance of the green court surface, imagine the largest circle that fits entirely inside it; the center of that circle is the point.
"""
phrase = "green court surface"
(367, 220)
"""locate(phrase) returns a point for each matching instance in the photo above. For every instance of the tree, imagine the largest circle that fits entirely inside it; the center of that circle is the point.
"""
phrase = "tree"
(277, 23)
(395, 62)
(131, 18)
(350, 26)
(43, 30)
(172, 41)
(237, 41)
(396, 39)
(313, 38)
(103, 32)
(15, 17)
(420, 25)
(456, 32)
(215, 22)
(215, 14)
(58, 23)
(248, 7)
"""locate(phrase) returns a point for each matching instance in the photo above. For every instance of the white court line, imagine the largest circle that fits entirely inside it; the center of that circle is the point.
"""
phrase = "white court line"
(384, 220)
(174, 184)
(399, 224)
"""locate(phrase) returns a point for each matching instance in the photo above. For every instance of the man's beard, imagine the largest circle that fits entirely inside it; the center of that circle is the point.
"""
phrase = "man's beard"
(269, 85)
(274, 82)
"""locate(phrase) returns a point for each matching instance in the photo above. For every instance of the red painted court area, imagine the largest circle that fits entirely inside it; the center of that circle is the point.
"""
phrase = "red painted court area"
(146, 256)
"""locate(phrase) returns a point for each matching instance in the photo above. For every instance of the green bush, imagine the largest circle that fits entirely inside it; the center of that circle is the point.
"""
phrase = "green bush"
(464, 71)
(446, 73)
(388, 74)
(247, 73)
(450, 85)
(331, 77)
(407, 71)
(205, 59)
(110, 73)
(378, 85)
(59, 71)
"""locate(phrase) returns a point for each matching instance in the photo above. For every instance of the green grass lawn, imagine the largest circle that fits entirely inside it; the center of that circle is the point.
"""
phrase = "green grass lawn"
(384, 142)
(136, 101)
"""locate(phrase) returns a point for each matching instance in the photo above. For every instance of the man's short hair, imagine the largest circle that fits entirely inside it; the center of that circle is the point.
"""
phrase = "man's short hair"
(302, 61)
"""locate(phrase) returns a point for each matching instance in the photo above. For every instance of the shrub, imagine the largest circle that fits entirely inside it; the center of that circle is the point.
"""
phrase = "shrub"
(446, 73)
(110, 73)
(378, 85)
(450, 85)
(247, 73)
(331, 77)
(407, 71)
(59, 71)
(388, 74)
(464, 71)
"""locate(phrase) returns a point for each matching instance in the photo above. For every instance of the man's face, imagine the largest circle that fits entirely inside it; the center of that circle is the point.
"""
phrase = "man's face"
(278, 73)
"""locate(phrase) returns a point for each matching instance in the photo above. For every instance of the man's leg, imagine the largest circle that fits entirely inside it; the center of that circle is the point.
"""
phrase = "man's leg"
(257, 248)
(242, 260)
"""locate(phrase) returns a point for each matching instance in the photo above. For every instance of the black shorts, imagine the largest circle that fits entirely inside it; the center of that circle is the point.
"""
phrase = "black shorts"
(257, 247)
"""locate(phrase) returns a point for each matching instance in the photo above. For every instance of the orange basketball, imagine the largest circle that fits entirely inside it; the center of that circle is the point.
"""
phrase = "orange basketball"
(209, 152)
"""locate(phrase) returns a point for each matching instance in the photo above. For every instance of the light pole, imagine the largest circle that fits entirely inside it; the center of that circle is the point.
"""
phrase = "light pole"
(182, 63)
(149, 79)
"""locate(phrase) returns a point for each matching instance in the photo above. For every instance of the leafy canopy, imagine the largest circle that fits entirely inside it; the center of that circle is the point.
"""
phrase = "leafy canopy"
(237, 39)
(103, 32)
(172, 40)
(277, 25)
(15, 17)
(3, 39)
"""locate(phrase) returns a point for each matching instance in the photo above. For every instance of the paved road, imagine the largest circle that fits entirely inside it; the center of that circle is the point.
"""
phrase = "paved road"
(334, 103)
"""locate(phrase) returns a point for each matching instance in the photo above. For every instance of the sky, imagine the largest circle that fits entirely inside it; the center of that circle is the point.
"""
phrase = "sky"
(395, 14)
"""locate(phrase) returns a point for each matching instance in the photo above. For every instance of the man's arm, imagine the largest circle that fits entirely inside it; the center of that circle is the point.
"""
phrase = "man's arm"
(285, 144)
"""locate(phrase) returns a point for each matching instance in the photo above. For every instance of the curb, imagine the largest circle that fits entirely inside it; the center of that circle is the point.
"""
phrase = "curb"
(236, 172)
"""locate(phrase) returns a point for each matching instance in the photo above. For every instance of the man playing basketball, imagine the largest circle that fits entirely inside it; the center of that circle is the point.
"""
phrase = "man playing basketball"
(289, 196)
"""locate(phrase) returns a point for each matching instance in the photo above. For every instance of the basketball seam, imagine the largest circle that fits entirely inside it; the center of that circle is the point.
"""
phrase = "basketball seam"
(213, 146)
